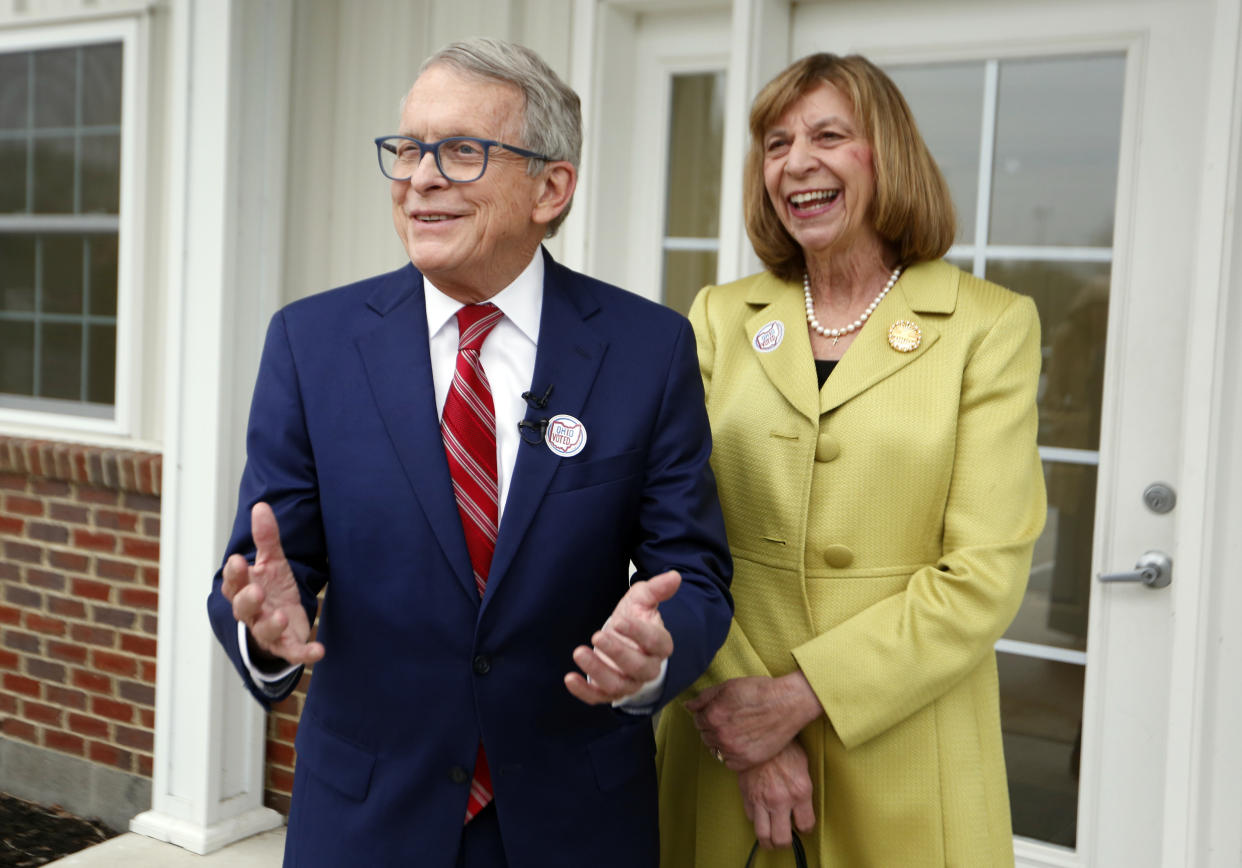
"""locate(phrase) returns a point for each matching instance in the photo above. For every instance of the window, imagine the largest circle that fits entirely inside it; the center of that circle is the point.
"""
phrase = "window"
(62, 108)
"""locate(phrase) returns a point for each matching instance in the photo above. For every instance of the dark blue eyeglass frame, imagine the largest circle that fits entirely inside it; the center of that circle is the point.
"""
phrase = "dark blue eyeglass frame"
(386, 143)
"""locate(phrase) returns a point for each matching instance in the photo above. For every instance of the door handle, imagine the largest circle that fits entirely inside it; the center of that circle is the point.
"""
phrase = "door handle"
(1154, 569)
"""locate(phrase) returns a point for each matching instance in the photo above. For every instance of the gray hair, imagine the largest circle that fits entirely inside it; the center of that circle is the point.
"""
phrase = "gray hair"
(552, 118)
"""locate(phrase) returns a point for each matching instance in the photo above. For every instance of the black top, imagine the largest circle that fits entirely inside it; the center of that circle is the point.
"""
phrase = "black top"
(823, 367)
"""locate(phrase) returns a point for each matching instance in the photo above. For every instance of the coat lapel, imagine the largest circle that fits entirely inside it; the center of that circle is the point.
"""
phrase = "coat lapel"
(928, 288)
(568, 359)
(396, 356)
(788, 364)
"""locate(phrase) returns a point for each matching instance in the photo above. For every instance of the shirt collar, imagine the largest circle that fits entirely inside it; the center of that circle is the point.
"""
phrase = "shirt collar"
(521, 301)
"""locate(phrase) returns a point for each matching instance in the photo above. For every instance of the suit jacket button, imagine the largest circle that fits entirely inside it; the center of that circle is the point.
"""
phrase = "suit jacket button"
(458, 775)
(482, 665)
(839, 556)
(827, 448)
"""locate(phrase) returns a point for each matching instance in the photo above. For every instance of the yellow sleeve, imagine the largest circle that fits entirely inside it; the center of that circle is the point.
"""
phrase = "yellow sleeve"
(893, 658)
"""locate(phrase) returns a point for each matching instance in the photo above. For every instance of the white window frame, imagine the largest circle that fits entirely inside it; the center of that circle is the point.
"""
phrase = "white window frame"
(44, 419)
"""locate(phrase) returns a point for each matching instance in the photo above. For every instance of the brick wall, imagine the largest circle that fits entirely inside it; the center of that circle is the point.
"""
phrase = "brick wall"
(79, 593)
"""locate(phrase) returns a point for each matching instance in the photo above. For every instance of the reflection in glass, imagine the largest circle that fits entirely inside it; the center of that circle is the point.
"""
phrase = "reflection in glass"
(685, 273)
(16, 357)
(53, 175)
(12, 176)
(56, 75)
(101, 85)
(60, 371)
(101, 174)
(1058, 131)
(1041, 719)
(101, 367)
(102, 270)
(62, 274)
(1058, 596)
(947, 102)
(14, 91)
(1072, 298)
(696, 136)
(17, 272)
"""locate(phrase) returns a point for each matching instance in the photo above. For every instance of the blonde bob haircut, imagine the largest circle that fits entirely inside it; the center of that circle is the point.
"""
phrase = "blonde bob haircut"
(912, 210)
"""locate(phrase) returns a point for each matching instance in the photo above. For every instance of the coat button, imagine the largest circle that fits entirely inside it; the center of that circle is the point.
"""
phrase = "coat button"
(482, 664)
(827, 448)
(458, 775)
(839, 556)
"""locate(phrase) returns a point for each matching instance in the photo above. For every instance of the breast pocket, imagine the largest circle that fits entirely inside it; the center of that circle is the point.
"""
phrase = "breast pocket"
(574, 475)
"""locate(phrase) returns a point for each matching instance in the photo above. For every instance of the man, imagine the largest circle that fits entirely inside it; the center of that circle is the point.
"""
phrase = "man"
(467, 453)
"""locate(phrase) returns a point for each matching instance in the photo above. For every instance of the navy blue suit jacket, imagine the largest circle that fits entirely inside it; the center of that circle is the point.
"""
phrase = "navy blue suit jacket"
(345, 445)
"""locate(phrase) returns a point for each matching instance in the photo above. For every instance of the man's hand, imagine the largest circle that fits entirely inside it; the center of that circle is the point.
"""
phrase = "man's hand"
(774, 791)
(265, 596)
(749, 720)
(628, 651)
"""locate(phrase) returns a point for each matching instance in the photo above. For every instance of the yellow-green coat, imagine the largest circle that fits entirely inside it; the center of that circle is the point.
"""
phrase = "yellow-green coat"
(881, 532)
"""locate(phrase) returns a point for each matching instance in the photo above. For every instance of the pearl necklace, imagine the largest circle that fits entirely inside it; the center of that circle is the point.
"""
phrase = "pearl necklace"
(837, 334)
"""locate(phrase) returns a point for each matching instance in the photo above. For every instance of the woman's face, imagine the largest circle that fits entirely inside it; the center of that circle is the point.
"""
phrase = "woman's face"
(818, 172)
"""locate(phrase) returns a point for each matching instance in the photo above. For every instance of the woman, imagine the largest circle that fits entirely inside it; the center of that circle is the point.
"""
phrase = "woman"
(881, 520)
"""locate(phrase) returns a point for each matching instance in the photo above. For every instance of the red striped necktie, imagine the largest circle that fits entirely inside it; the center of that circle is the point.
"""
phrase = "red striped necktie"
(469, 428)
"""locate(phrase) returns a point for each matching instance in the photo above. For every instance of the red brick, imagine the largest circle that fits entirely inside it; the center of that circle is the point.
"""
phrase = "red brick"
(280, 780)
(9, 660)
(69, 512)
(151, 576)
(108, 755)
(123, 618)
(278, 802)
(146, 671)
(64, 741)
(65, 651)
(140, 598)
(92, 681)
(23, 597)
(8, 705)
(65, 697)
(19, 641)
(10, 615)
(13, 481)
(11, 525)
(50, 487)
(14, 728)
(151, 526)
(91, 590)
(106, 661)
(48, 533)
(21, 684)
(113, 710)
(66, 608)
(116, 520)
(146, 716)
(49, 581)
(138, 694)
(18, 505)
(39, 713)
(140, 645)
(146, 766)
(9, 572)
(71, 561)
(93, 635)
(27, 554)
(45, 670)
(91, 727)
(100, 542)
(136, 547)
(47, 626)
(116, 570)
(138, 739)
(286, 730)
(281, 754)
(100, 496)
(142, 502)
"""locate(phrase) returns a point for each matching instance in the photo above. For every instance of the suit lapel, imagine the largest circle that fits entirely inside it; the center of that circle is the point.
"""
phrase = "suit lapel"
(929, 288)
(568, 359)
(396, 356)
(788, 363)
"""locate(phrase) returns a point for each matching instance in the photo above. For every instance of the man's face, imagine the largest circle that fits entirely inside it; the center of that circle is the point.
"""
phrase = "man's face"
(471, 240)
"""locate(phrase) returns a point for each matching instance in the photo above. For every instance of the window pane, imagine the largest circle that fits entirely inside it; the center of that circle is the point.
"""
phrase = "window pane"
(60, 369)
(685, 273)
(1058, 596)
(55, 97)
(53, 171)
(1041, 717)
(17, 357)
(17, 272)
(101, 371)
(101, 174)
(101, 84)
(12, 176)
(1072, 298)
(947, 102)
(14, 91)
(1058, 132)
(696, 138)
(62, 274)
(102, 275)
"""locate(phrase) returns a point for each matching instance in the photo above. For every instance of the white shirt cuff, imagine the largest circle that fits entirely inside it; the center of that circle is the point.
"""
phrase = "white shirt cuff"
(641, 702)
(270, 682)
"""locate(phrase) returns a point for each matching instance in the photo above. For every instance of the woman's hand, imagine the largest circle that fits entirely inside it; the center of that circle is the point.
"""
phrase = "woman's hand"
(747, 721)
(775, 791)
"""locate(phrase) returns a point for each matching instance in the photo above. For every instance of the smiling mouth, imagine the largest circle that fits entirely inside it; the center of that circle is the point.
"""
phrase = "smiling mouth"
(433, 218)
(813, 198)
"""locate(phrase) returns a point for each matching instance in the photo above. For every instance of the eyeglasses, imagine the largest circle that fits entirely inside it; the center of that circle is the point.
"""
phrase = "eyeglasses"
(460, 159)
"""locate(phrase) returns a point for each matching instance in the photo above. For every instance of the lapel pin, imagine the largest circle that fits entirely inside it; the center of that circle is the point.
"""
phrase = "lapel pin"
(904, 336)
(770, 336)
(566, 436)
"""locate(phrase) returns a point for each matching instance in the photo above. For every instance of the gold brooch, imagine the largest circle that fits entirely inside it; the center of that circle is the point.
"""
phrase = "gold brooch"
(904, 336)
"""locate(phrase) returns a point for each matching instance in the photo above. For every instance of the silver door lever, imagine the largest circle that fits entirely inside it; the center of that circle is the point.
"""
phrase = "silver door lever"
(1154, 569)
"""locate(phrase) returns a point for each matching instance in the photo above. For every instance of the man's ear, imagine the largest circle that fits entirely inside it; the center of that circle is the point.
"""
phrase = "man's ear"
(557, 183)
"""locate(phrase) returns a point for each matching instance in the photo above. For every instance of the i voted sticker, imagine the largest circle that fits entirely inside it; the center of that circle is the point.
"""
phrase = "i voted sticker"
(566, 436)
(770, 336)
